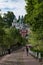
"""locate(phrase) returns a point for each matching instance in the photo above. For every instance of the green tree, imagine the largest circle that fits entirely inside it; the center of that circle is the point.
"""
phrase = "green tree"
(1, 22)
(34, 17)
(8, 18)
(2, 34)
(35, 13)
(18, 19)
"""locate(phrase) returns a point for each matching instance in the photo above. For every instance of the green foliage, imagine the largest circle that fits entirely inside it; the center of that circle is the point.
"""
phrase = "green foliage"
(34, 17)
(9, 36)
(8, 18)
(35, 14)
(1, 22)
(18, 19)
(2, 34)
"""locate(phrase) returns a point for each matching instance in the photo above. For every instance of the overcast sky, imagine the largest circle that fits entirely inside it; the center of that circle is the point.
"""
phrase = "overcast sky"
(17, 6)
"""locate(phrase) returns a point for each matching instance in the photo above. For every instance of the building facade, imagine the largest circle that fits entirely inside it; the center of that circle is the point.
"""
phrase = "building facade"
(23, 28)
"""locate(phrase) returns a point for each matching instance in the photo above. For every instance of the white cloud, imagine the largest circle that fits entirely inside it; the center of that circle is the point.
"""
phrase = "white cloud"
(17, 6)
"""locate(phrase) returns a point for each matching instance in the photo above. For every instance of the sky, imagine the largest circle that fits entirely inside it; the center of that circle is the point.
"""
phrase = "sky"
(17, 6)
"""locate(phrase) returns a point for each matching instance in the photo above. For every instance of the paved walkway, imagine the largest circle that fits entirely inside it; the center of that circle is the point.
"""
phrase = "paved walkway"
(18, 58)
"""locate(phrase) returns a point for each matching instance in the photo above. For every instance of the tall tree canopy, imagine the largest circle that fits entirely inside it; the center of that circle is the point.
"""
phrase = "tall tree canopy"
(1, 22)
(8, 18)
(34, 17)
